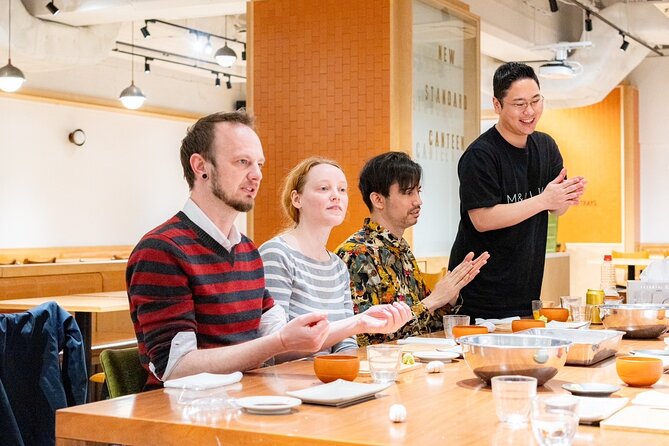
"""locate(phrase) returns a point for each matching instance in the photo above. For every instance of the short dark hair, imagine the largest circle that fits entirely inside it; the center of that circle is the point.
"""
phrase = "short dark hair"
(200, 137)
(507, 74)
(382, 171)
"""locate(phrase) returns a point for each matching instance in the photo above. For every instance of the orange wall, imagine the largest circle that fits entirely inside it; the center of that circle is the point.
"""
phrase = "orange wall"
(590, 142)
(321, 86)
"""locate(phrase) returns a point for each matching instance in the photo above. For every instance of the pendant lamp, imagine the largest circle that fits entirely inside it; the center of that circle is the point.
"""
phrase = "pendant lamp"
(132, 97)
(11, 78)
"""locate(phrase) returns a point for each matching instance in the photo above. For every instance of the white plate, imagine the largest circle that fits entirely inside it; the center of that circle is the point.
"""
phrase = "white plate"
(338, 393)
(436, 355)
(576, 325)
(653, 354)
(268, 405)
(457, 349)
(418, 340)
(593, 410)
(591, 389)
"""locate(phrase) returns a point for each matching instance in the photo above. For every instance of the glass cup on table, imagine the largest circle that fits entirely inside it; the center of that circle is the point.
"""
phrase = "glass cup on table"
(569, 301)
(554, 420)
(537, 305)
(513, 396)
(580, 313)
(384, 362)
(451, 320)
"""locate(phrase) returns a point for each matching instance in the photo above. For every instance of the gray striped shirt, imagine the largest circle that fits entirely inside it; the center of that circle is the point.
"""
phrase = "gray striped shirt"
(303, 285)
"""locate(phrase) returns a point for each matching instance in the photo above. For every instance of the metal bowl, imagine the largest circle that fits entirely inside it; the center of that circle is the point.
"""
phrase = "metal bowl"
(491, 355)
(636, 320)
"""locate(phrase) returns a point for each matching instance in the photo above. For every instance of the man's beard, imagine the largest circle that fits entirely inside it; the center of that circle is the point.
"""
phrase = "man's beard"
(239, 206)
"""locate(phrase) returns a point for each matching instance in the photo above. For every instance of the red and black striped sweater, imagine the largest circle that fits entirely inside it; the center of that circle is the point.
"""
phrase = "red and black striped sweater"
(180, 279)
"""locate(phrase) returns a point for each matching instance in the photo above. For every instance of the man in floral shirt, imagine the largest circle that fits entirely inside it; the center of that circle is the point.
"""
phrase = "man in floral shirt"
(380, 262)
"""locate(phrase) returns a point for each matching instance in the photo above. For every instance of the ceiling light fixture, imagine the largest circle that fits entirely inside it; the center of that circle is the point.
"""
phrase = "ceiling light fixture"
(132, 97)
(225, 56)
(552, 4)
(228, 83)
(217, 83)
(153, 55)
(588, 21)
(625, 43)
(147, 65)
(11, 78)
(145, 30)
(208, 49)
(557, 69)
(53, 9)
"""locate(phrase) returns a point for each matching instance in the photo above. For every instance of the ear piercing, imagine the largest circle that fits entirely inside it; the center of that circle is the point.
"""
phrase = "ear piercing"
(204, 176)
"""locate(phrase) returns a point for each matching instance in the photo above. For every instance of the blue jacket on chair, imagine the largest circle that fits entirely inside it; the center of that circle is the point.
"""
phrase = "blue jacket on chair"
(33, 384)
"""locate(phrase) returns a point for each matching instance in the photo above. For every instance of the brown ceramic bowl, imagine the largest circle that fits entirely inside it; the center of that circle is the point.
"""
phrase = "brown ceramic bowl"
(332, 367)
(638, 371)
(466, 330)
(526, 324)
(555, 314)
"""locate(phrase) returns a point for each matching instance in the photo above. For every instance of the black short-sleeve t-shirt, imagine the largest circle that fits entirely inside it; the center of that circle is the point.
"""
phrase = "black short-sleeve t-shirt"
(491, 172)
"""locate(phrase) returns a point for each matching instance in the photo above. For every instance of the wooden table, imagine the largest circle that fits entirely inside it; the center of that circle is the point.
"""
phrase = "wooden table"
(452, 407)
(82, 305)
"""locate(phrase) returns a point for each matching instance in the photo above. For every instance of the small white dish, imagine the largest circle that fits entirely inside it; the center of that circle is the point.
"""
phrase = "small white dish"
(575, 325)
(268, 405)
(457, 349)
(338, 393)
(436, 355)
(591, 389)
(652, 353)
(594, 410)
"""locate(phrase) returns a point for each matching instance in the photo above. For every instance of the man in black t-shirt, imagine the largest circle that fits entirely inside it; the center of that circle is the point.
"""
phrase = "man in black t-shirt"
(510, 178)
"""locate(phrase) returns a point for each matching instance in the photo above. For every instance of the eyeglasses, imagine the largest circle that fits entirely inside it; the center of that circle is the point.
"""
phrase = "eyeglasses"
(522, 105)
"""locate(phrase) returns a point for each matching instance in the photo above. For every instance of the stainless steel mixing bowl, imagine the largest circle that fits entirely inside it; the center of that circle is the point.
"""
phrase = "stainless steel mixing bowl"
(636, 320)
(490, 355)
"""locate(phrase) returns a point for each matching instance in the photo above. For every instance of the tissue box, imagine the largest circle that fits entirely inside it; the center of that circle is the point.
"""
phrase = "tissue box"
(639, 292)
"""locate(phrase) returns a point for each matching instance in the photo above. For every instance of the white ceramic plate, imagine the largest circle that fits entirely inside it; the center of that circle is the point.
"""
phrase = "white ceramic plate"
(457, 349)
(591, 389)
(338, 393)
(593, 410)
(268, 405)
(662, 354)
(436, 355)
(576, 325)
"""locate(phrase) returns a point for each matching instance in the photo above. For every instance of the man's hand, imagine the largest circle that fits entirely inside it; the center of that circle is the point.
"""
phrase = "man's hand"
(305, 333)
(386, 318)
(563, 192)
(448, 288)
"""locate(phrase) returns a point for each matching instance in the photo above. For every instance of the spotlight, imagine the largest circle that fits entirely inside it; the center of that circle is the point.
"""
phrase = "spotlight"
(217, 83)
(147, 66)
(53, 9)
(145, 30)
(553, 5)
(207, 47)
(228, 83)
(588, 22)
(244, 53)
(625, 43)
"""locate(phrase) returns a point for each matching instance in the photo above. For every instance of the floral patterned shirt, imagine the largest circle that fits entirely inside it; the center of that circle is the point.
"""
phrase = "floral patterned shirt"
(383, 270)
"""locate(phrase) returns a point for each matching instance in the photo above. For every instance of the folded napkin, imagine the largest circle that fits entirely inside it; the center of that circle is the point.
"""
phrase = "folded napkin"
(487, 324)
(203, 381)
(652, 398)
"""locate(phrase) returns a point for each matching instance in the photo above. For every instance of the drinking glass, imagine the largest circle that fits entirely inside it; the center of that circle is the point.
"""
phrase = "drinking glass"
(569, 301)
(513, 396)
(580, 313)
(384, 362)
(537, 305)
(451, 320)
(554, 420)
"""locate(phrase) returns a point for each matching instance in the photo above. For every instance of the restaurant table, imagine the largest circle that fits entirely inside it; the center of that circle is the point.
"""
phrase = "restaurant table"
(452, 407)
(83, 306)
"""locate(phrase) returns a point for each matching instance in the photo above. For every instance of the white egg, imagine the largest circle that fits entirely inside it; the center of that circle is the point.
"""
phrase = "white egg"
(397, 413)
(434, 367)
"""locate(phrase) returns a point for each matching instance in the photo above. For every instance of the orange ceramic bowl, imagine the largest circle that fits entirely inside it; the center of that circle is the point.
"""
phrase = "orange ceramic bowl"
(637, 371)
(332, 367)
(555, 314)
(526, 324)
(465, 330)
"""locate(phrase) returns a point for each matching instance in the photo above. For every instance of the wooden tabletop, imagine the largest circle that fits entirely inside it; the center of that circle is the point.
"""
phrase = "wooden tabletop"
(103, 302)
(452, 407)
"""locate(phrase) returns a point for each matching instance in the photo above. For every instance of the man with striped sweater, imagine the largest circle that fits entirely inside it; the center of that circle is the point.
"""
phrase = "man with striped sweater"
(196, 286)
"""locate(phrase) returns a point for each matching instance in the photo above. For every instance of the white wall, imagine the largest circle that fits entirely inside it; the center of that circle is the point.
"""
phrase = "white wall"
(651, 78)
(125, 180)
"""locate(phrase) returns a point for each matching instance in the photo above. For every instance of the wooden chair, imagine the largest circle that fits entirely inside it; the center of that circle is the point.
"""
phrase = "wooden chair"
(431, 279)
(7, 261)
(623, 268)
(124, 374)
(38, 260)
